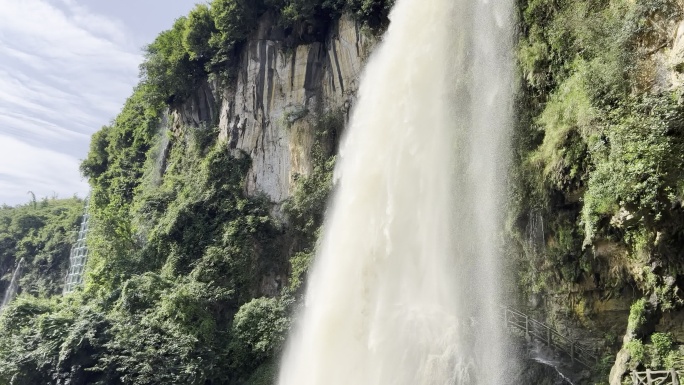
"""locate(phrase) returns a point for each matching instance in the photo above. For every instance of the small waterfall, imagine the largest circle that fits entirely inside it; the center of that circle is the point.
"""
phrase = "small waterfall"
(11, 291)
(79, 254)
(562, 378)
(536, 237)
(405, 286)
(161, 153)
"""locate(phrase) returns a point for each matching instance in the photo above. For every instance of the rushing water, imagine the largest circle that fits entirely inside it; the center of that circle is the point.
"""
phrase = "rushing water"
(562, 378)
(13, 286)
(405, 286)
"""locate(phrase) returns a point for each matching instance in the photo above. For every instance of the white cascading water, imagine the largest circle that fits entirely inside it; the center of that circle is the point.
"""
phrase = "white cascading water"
(405, 286)
(13, 286)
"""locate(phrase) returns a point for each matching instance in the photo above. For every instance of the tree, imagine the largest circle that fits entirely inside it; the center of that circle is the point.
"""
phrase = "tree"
(234, 21)
(168, 67)
(199, 27)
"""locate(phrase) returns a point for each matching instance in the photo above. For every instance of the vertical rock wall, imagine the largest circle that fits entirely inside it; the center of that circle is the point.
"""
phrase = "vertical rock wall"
(271, 111)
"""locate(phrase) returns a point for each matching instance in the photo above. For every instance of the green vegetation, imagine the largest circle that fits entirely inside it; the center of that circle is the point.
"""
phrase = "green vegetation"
(175, 307)
(180, 286)
(661, 349)
(306, 207)
(637, 352)
(209, 38)
(660, 353)
(599, 141)
(41, 233)
(637, 316)
(259, 328)
(598, 150)
(178, 252)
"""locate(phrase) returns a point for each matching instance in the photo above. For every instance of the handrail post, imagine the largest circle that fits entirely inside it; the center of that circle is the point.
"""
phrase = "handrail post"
(649, 380)
(527, 326)
(572, 351)
(548, 336)
(675, 377)
(505, 317)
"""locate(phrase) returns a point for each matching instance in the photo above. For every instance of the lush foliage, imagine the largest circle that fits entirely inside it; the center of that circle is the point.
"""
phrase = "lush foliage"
(599, 141)
(307, 205)
(598, 154)
(637, 316)
(178, 252)
(259, 328)
(41, 233)
(174, 62)
(657, 354)
(166, 289)
(208, 39)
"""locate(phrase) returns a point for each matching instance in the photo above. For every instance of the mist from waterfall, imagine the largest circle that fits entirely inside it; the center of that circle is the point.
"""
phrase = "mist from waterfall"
(11, 291)
(405, 286)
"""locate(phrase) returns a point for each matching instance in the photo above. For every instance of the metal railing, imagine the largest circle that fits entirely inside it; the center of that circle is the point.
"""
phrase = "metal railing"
(656, 377)
(79, 255)
(550, 337)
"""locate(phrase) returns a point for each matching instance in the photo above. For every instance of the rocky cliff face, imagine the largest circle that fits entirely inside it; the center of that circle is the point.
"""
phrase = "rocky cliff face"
(272, 108)
(591, 282)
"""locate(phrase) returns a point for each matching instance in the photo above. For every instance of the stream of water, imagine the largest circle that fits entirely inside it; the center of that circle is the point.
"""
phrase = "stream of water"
(11, 291)
(405, 285)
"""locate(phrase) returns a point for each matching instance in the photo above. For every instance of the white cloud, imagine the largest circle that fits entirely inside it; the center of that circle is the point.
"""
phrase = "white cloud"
(110, 29)
(26, 168)
(59, 33)
(64, 72)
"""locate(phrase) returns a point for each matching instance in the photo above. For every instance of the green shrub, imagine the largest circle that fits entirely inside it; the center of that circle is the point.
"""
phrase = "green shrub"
(198, 30)
(265, 374)
(637, 352)
(260, 327)
(637, 316)
(597, 143)
(660, 349)
(234, 21)
(168, 69)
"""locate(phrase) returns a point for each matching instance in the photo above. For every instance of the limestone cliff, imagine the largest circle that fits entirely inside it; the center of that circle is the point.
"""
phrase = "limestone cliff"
(271, 108)
(597, 227)
(272, 105)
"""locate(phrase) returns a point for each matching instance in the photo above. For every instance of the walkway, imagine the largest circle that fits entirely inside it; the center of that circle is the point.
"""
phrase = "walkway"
(578, 353)
(550, 337)
(79, 255)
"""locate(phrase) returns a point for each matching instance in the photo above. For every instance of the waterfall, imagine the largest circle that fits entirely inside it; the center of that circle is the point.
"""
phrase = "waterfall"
(405, 286)
(535, 232)
(13, 286)
(161, 152)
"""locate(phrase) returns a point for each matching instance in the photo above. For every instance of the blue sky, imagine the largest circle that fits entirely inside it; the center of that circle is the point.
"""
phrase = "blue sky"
(66, 67)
